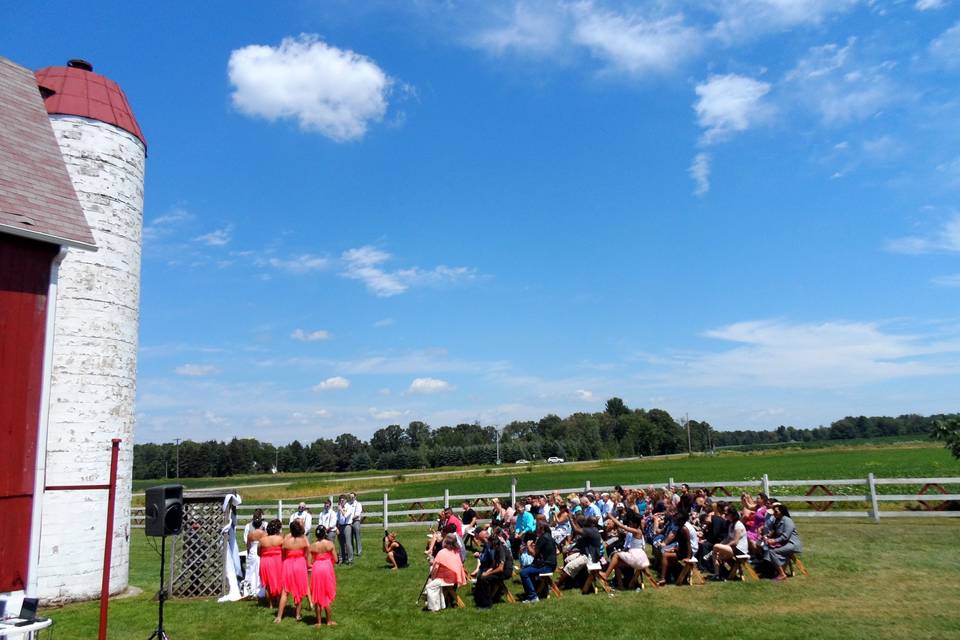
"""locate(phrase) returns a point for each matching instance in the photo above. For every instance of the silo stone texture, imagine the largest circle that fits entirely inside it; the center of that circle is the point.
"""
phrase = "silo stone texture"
(94, 368)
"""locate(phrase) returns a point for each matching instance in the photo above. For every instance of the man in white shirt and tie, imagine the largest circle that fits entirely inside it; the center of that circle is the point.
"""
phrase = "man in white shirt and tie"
(345, 530)
(355, 526)
(304, 516)
(328, 519)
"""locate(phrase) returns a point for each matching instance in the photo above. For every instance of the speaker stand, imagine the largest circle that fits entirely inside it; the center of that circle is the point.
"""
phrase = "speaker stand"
(159, 633)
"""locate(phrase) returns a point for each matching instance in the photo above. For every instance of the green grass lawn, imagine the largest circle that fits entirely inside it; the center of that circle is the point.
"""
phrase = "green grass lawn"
(892, 580)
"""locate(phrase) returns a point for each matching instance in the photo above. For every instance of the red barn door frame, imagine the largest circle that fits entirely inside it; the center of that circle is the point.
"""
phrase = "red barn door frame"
(25, 310)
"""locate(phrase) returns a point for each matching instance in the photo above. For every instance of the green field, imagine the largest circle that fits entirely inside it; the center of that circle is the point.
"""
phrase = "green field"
(892, 580)
(900, 460)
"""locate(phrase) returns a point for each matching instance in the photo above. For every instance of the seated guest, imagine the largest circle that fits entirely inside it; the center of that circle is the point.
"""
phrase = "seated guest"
(634, 553)
(451, 518)
(545, 561)
(396, 554)
(586, 548)
(469, 521)
(447, 568)
(683, 547)
(783, 542)
(526, 524)
(736, 542)
(562, 528)
(492, 570)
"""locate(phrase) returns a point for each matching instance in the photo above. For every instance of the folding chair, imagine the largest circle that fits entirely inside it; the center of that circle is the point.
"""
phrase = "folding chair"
(546, 586)
(744, 569)
(594, 577)
(451, 596)
(691, 574)
(794, 564)
(639, 575)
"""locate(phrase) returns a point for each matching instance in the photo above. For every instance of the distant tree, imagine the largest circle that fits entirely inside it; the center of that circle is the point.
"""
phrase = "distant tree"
(949, 432)
(616, 408)
(418, 434)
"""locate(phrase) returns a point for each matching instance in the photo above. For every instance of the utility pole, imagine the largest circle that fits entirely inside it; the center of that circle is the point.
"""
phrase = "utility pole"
(276, 459)
(497, 430)
(177, 440)
(686, 422)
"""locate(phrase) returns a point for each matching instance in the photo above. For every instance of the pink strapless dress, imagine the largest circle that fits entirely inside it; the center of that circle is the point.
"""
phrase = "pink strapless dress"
(323, 581)
(295, 574)
(271, 571)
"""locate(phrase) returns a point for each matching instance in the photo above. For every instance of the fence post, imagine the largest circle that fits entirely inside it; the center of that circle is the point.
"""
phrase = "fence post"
(280, 510)
(765, 481)
(588, 486)
(874, 506)
(670, 483)
(386, 514)
(446, 498)
(513, 491)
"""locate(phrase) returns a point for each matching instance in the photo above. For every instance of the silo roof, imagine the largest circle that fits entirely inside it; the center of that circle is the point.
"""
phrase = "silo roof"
(37, 198)
(76, 90)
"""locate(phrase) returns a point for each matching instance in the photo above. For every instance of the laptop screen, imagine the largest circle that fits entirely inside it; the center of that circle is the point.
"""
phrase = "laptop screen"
(29, 609)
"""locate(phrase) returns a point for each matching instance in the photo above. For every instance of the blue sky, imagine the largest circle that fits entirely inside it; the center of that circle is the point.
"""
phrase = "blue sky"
(366, 213)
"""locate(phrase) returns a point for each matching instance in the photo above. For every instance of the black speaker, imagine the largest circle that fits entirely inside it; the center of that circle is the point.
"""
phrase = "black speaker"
(164, 510)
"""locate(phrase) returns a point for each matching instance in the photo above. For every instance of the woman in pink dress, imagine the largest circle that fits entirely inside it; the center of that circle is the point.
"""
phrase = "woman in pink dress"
(271, 562)
(323, 580)
(295, 552)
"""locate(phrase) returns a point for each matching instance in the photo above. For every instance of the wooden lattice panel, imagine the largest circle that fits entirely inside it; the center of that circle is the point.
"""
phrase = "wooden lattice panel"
(198, 552)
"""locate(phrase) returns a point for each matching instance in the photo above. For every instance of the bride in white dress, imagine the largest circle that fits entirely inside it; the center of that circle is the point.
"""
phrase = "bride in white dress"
(251, 580)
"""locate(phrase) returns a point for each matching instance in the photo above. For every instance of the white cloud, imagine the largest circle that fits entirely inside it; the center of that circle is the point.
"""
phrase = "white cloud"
(365, 264)
(634, 43)
(829, 80)
(310, 336)
(946, 48)
(744, 19)
(334, 383)
(583, 394)
(530, 27)
(700, 172)
(332, 91)
(304, 263)
(196, 370)
(944, 240)
(952, 280)
(164, 224)
(384, 414)
(927, 5)
(322, 413)
(729, 104)
(429, 385)
(217, 237)
(816, 355)
(386, 322)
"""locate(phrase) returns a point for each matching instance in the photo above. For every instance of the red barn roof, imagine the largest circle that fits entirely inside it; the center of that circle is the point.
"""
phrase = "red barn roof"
(37, 199)
(77, 91)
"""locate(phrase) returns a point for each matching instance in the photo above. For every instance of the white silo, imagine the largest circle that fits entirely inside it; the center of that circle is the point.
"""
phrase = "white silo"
(94, 365)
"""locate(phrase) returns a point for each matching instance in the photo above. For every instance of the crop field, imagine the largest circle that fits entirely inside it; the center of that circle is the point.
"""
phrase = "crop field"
(897, 460)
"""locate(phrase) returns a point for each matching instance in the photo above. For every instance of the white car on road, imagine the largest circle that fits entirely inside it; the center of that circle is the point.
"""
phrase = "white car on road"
(554, 460)
(522, 461)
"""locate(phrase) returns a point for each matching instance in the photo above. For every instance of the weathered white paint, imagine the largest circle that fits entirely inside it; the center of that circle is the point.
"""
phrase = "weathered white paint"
(93, 382)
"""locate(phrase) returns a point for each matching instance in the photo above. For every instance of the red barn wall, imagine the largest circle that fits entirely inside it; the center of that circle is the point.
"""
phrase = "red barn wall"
(24, 280)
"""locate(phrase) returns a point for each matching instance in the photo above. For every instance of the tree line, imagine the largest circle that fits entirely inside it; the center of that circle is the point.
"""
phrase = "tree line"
(618, 431)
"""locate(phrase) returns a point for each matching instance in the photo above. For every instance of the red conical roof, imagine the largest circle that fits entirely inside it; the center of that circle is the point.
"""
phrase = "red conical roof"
(77, 91)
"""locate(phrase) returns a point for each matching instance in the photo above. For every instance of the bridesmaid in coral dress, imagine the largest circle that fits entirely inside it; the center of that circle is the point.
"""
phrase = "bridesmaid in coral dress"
(323, 580)
(295, 551)
(271, 562)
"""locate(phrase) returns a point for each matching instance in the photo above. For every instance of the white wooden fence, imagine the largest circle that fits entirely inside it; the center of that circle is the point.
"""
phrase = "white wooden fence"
(865, 495)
